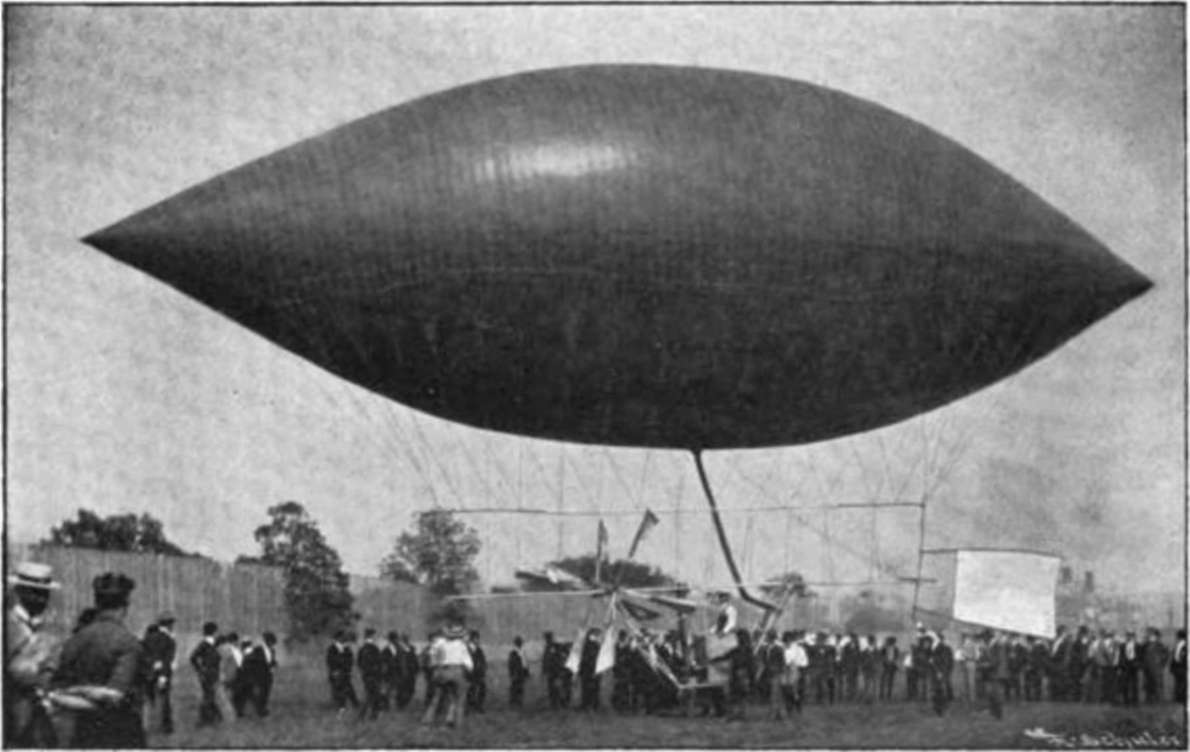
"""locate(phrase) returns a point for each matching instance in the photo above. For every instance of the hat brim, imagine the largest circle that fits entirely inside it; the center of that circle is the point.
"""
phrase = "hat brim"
(18, 581)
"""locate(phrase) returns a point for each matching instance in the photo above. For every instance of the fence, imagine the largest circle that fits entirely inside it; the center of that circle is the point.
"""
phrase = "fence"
(249, 598)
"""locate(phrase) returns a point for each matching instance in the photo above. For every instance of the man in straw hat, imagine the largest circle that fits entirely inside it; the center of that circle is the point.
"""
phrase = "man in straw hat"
(106, 659)
(28, 655)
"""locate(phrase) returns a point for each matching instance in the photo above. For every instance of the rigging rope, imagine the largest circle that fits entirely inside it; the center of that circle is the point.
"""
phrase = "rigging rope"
(735, 572)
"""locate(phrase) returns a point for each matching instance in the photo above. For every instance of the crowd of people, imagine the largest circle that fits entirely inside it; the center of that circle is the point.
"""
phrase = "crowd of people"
(728, 670)
(117, 685)
(114, 685)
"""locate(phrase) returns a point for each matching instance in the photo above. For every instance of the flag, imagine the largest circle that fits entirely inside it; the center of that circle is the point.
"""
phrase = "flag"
(607, 652)
(600, 551)
(647, 524)
(576, 652)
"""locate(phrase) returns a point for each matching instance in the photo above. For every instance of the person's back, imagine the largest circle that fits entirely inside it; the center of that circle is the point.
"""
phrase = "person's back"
(105, 654)
(369, 661)
(102, 653)
(229, 667)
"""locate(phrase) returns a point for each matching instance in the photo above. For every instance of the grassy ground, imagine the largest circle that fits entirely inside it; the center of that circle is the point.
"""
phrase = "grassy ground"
(302, 717)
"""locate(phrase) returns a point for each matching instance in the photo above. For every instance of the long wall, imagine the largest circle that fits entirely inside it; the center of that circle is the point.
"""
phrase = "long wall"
(249, 598)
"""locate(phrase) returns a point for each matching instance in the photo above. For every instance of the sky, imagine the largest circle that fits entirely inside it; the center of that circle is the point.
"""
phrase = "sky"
(122, 395)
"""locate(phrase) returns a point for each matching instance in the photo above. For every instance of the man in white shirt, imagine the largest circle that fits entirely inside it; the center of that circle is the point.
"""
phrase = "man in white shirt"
(796, 663)
(451, 662)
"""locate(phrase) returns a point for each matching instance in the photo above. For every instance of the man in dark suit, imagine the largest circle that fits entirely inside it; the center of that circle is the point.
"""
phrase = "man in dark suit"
(551, 670)
(1129, 669)
(941, 663)
(370, 671)
(408, 667)
(1077, 664)
(518, 674)
(588, 679)
(339, 663)
(1153, 658)
(1177, 667)
(890, 661)
(161, 650)
(260, 664)
(1036, 654)
(205, 659)
(477, 682)
(849, 660)
(918, 674)
(389, 676)
(1059, 664)
(1018, 658)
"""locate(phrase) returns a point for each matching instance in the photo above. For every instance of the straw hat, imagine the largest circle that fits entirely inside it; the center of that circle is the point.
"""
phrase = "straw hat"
(31, 574)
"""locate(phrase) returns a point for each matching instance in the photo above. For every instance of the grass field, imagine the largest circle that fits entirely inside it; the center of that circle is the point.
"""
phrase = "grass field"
(303, 717)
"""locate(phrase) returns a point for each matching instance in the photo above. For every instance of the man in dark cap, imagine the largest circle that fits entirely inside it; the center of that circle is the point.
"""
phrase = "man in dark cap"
(105, 655)
(408, 667)
(518, 673)
(161, 650)
(260, 663)
(371, 671)
(477, 681)
(205, 660)
(339, 663)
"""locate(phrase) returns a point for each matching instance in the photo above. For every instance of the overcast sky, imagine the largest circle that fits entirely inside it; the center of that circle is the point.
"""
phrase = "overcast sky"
(122, 395)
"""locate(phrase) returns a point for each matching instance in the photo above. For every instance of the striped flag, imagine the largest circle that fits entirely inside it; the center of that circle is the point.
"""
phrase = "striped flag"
(648, 523)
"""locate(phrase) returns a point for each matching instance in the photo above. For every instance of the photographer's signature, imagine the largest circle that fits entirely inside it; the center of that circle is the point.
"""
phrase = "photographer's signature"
(1106, 740)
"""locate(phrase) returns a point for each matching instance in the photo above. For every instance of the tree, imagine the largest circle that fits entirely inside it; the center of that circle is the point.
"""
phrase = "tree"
(789, 583)
(316, 587)
(118, 532)
(439, 555)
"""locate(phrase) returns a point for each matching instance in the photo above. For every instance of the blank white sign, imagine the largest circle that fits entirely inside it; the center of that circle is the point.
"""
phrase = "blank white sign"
(1008, 590)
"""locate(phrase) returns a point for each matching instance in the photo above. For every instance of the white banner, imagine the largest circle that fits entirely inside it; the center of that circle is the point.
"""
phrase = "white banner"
(1009, 590)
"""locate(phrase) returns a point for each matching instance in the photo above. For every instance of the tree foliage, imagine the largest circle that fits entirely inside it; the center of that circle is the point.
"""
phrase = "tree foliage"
(316, 587)
(440, 554)
(117, 532)
(779, 586)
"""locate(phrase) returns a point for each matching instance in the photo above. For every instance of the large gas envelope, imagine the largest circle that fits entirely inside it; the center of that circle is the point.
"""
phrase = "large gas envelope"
(639, 255)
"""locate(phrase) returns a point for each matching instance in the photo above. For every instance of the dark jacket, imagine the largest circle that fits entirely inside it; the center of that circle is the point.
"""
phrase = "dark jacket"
(368, 660)
(339, 661)
(205, 660)
(160, 650)
(517, 668)
(259, 664)
(105, 653)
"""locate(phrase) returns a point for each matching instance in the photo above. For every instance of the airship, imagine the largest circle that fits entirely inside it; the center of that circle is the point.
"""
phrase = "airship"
(639, 255)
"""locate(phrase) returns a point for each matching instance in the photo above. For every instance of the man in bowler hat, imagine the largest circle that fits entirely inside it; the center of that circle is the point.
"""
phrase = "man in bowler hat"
(205, 660)
(161, 650)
